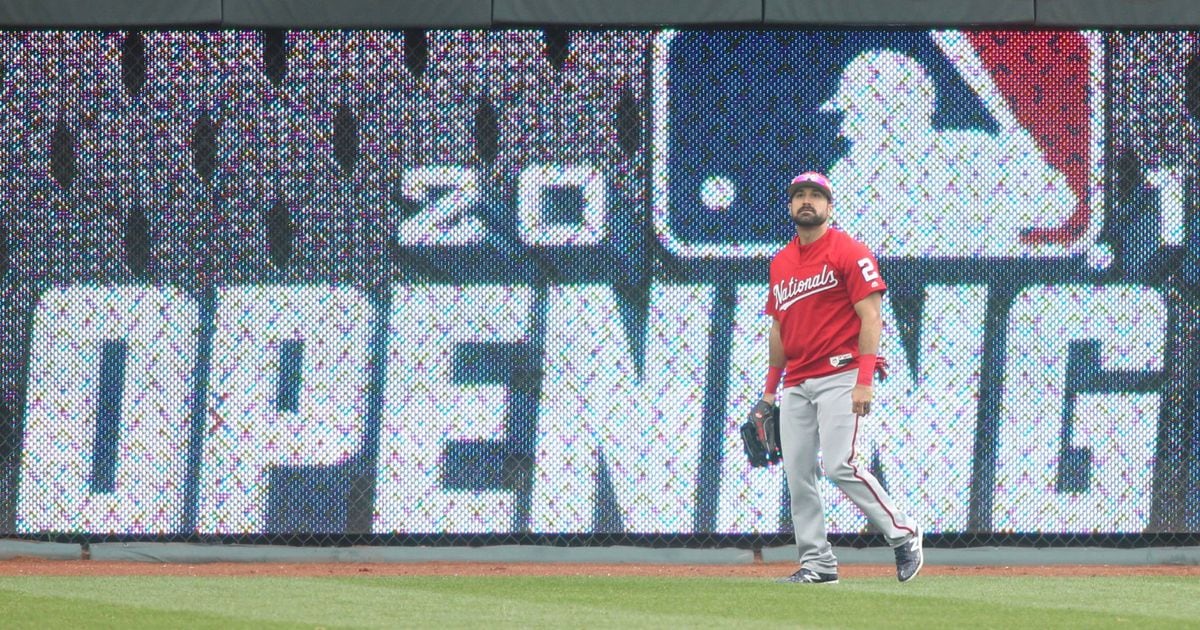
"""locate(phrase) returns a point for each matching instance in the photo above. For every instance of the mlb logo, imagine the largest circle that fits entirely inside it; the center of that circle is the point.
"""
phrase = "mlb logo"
(939, 144)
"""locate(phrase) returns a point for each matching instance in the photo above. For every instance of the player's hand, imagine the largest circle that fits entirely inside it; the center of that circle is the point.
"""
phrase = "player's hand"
(860, 399)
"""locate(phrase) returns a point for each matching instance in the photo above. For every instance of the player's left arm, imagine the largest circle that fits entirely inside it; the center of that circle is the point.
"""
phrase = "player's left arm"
(869, 310)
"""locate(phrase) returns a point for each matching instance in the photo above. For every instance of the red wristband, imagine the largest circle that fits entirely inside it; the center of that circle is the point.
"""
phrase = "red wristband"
(774, 375)
(866, 369)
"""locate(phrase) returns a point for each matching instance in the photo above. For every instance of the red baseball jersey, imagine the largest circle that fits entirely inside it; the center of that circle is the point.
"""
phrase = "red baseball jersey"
(813, 291)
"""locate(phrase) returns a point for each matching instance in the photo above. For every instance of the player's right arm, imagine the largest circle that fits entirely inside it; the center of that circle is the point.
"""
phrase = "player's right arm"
(776, 361)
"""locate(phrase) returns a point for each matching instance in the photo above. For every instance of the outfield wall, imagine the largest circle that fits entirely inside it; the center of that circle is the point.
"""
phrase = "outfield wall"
(434, 285)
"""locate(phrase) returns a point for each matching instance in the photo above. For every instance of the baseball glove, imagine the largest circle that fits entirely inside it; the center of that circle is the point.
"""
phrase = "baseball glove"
(760, 435)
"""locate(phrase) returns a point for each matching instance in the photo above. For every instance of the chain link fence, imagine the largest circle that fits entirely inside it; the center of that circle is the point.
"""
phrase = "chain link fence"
(468, 287)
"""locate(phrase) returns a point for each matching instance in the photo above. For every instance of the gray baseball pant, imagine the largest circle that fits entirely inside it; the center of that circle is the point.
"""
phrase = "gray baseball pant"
(816, 416)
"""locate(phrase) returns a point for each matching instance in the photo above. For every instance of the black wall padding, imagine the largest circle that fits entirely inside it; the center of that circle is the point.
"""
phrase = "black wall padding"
(903, 12)
(89, 13)
(632, 12)
(359, 13)
(1179, 13)
(388, 14)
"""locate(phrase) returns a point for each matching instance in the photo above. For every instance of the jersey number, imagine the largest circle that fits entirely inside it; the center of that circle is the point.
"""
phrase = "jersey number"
(868, 269)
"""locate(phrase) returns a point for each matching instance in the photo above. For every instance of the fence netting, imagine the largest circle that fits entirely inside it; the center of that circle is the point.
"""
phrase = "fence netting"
(447, 287)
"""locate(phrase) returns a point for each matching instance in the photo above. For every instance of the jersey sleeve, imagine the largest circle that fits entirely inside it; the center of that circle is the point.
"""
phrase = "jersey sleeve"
(861, 270)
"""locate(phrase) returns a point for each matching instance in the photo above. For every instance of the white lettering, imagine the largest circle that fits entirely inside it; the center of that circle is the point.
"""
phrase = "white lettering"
(1117, 430)
(424, 408)
(249, 427)
(923, 431)
(536, 229)
(157, 329)
(793, 290)
(597, 409)
(1169, 184)
(924, 440)
(751, 499)
(444, 221)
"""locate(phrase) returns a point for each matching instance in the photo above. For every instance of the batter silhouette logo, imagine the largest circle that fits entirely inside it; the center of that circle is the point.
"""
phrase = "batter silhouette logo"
(940, 144)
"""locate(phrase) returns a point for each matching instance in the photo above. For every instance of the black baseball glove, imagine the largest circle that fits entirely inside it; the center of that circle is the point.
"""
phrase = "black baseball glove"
(760, 435)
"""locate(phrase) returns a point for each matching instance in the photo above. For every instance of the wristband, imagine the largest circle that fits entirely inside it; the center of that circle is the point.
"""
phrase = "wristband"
(866, 369)
(774, 375)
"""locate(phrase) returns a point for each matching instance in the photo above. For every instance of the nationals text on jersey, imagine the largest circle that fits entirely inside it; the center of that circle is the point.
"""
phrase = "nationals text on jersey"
(793, 289)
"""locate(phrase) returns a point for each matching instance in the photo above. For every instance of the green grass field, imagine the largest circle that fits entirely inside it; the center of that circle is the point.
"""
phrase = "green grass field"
(625, 602)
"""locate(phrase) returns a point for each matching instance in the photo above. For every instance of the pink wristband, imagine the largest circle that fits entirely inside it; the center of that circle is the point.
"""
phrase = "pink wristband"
(774, 375)
(866, 369)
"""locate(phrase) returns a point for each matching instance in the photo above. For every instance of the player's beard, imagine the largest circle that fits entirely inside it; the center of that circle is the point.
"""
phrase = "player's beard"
(811, 219)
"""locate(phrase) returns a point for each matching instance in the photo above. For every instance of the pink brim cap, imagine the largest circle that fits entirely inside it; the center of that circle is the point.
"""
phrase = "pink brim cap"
(812, 179)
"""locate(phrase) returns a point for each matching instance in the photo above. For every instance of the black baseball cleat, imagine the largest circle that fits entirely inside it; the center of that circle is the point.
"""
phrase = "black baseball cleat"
(808, 576)
(909, 557)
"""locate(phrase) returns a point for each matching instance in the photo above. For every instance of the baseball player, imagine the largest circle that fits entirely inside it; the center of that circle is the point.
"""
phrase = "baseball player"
(824, 299)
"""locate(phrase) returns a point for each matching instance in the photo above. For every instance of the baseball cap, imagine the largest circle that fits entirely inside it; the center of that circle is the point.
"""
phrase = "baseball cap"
(812, 179)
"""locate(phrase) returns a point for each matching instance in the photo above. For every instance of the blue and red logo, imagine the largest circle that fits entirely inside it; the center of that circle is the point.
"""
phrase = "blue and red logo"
(939, 144)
